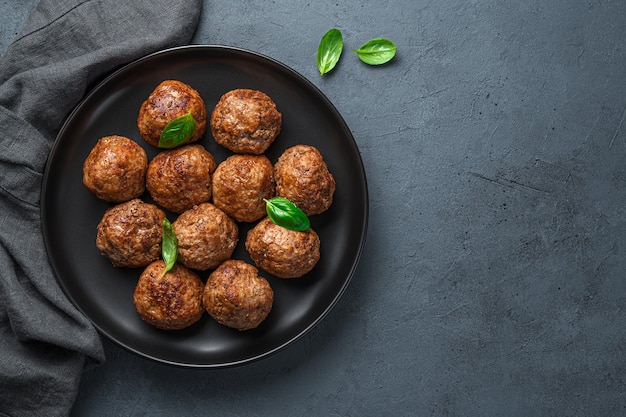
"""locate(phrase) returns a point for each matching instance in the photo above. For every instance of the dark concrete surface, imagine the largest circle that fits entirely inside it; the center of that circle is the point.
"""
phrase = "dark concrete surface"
(493, 280)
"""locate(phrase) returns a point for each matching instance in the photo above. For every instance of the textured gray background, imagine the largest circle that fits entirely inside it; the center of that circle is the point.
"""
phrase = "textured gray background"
(493, 277)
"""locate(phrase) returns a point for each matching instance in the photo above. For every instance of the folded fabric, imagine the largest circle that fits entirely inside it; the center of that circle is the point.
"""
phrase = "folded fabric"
(65, 48)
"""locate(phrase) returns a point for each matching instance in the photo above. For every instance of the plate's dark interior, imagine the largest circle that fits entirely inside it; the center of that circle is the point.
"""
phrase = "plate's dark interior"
(70, 213)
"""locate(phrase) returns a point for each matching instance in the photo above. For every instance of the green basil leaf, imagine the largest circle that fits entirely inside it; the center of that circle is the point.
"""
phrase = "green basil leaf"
(169, 246)
(376, 51)
(286, 214)
(329, 50)
(178, 131)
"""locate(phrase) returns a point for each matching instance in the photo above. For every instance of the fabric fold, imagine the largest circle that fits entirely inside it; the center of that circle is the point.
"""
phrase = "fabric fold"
(63, 50)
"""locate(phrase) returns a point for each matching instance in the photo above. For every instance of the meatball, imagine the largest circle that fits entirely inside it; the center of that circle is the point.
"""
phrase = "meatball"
(115, 169)
(169, 100)
(302, 176)
(236, 296)
(206, 237)
(177, 179)
(130, 234)
(245, 121)
(282, 252)
(172, 301)
(240, 184)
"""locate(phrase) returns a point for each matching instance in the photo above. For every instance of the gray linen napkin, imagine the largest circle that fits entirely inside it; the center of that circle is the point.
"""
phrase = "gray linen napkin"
(64, 49)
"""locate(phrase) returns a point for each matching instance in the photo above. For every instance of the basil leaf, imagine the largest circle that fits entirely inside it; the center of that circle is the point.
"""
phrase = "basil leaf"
(284, 213)
(329, 50)
(178, 131)
(169, 246)
(376, 51)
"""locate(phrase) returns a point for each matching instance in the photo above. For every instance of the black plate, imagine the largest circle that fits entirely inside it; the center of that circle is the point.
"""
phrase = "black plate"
(70, 213)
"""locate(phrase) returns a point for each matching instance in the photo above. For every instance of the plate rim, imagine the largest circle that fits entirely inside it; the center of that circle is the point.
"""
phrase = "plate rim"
(102, 83)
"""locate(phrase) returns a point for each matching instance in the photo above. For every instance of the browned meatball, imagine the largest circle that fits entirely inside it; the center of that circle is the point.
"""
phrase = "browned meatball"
(172, 301)
(115, 169)
(130, 233)
(177, 179)
(206, 236)
(302, 176)
(282, 252)
(245, 121)
(240, 184)
(236, 296)
(169, 100)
